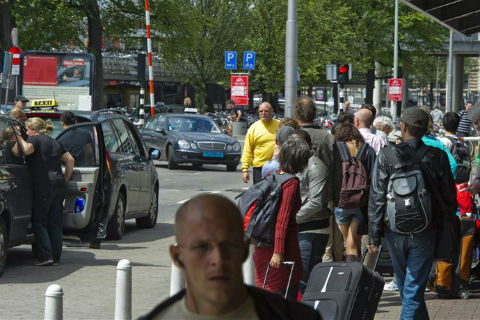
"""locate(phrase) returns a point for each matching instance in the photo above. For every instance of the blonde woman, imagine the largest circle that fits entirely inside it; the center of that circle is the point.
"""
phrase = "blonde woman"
(43, 156)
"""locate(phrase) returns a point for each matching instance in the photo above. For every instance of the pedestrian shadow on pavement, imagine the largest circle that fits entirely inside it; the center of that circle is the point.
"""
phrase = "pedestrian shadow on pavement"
(20, 268)
(389, 299)
(136, 235)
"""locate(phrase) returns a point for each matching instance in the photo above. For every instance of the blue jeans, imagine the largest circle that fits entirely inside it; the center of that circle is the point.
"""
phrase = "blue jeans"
(412, 258)
(312, 249)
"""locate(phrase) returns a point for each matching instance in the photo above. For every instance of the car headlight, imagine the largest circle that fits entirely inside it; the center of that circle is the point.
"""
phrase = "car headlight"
(229, 147)
(184, 144)
(236, 146)
(193, 146)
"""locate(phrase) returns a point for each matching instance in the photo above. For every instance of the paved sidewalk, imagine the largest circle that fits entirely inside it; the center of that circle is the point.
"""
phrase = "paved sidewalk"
(88, 280)
(438, 309)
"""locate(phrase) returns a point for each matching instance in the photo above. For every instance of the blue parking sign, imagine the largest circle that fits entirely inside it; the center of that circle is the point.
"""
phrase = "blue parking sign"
(249, 60)
(230, 60)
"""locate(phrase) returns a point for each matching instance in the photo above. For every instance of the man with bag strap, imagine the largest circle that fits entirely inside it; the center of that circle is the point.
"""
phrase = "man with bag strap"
(411, 242)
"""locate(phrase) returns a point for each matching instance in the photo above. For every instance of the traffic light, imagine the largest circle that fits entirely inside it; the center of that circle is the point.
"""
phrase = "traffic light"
(343, 73)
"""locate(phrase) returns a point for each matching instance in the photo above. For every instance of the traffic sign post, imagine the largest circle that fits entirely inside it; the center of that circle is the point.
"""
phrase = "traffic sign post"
(230, 60)
(249, 60)
(332, 72)
(15, 51)
(239, 89)
(395, 89)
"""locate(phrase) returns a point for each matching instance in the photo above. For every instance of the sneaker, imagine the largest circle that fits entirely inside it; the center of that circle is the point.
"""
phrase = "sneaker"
(391, 286)
(56, 262)
(45, 262)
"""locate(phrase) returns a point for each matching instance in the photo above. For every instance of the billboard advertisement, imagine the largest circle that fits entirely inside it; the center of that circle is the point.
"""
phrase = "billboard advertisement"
(65, 77)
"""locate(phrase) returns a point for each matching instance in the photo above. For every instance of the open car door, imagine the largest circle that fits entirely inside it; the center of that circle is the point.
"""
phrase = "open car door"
(88, 192)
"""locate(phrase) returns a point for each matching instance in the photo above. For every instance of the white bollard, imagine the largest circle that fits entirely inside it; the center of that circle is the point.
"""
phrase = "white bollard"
(141, 116)
(177, 282)
(54, 302)
(123, 294)
(248, 268)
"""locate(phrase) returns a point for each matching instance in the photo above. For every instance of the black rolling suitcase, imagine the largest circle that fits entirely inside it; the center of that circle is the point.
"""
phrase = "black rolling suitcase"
(344, 291)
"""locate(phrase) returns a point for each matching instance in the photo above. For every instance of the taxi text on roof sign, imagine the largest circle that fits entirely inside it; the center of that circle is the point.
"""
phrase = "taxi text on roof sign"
(44, 103)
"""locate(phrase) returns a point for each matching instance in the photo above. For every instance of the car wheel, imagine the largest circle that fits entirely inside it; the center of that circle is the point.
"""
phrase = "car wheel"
(3, 245)
(171, 158)
(116, 226)
(232, 167)
(151, 220)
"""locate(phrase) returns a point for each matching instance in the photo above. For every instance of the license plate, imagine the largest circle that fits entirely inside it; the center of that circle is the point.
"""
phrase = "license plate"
(213, 154)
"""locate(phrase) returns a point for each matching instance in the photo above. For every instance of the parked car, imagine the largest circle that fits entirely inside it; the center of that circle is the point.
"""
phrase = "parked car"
(190, 138)
(119, 182)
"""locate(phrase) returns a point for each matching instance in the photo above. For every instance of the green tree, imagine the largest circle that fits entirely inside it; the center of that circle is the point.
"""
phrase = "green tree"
(199, 33)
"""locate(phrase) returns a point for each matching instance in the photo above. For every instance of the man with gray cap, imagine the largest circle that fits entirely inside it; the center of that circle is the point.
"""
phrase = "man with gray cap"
(406, 221)
(281, 136)
(20, 101)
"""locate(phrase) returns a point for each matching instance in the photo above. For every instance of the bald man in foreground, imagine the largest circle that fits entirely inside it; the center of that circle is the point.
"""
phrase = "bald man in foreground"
(210, 250)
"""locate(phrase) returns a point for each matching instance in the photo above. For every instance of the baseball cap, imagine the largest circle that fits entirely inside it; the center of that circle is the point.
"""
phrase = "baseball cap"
(21, 98)
(283, 133)
(415, 117)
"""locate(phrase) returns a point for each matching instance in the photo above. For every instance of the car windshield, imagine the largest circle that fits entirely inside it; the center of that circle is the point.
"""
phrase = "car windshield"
(192, 124)
(183, 124)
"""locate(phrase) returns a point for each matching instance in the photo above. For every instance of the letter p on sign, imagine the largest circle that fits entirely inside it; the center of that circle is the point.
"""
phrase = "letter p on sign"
(249, 60)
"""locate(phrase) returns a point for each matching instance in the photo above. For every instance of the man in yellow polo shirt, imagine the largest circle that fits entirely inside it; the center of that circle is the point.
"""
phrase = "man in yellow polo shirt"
(259, 143)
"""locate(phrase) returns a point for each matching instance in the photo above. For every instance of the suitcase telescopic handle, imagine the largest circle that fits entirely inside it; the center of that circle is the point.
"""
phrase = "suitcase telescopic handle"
(285, 263)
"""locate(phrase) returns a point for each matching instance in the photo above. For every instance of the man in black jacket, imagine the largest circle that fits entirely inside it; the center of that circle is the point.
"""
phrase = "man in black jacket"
(210, 250)
(412, 254)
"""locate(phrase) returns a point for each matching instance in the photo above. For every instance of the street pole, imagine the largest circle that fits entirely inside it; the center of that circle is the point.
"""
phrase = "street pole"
(150, 63)
(291, 59)
(436, 84)
(450, 74)
(393, 104)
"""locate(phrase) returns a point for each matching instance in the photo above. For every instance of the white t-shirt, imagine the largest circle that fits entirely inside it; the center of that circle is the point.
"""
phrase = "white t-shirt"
(179, 310)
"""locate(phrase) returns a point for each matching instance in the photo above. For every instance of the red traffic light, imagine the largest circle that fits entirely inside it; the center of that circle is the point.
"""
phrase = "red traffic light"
(343, 69)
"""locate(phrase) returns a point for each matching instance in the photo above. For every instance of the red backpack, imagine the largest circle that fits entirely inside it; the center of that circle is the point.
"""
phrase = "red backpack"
(355, 184)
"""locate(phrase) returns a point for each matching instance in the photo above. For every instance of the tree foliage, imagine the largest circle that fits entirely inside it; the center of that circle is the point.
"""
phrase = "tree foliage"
(191, 35)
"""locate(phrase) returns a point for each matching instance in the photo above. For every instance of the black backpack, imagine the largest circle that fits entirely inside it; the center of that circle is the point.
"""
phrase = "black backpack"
(409, 205)
(259, 207)
(461, 153)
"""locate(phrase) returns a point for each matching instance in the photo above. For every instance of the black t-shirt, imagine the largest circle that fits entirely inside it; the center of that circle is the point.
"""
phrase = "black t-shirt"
(44, 163)
(80, 145)
(236, 109)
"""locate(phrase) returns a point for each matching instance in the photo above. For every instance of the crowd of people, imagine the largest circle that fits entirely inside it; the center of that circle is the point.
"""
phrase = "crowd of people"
(345, 195)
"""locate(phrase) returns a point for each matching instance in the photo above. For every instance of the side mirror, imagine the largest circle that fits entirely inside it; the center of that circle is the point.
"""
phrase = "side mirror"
(154, 154)
(224, 131)
(162, 131)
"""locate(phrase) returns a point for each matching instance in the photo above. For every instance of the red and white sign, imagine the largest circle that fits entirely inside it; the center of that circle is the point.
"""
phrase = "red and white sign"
(395, 89)
(73, 62)
(15, 51)
(40, 70)
(239, 90)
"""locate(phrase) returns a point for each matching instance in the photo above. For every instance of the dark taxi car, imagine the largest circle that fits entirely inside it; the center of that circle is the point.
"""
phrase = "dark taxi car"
(118, 181)
(190, 138)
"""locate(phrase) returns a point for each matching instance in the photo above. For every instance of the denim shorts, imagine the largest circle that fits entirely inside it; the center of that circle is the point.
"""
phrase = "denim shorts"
(344, 216)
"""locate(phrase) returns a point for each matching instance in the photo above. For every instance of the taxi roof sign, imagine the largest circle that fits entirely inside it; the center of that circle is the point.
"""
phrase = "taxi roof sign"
(190, 110)
(44, 103)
